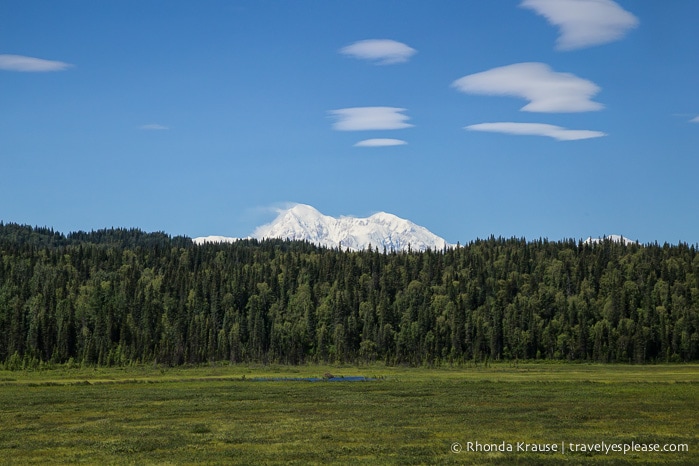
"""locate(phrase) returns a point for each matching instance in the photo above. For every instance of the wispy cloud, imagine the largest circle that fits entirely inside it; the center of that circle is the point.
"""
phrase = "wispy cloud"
(584, 23)
(694, 120)
(536, 129)
(380, 142)
(380, 51)
(546, 90)
(369, 118)
(30, 64)
(154, 127)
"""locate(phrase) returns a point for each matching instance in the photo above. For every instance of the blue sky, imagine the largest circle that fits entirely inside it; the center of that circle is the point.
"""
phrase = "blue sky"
(534, 118)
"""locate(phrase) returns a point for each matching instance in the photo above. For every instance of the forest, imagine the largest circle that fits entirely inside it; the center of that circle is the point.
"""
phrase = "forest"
(123, 296)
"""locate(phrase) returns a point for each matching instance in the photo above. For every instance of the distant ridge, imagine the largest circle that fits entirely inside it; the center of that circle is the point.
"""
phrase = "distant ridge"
(614, 238)
(381, 230)
(214, 239)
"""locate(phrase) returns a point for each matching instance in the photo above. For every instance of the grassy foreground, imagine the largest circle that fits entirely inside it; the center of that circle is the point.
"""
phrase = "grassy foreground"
(218, 415)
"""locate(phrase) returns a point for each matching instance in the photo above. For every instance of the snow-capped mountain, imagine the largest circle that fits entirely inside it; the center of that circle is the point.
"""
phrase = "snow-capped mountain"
(614, 238)
(303, 222)
(214, 239)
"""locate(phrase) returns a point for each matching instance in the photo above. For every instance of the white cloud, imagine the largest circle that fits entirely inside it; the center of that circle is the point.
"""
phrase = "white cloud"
(380, 142)
(154, 127)
(370, 118)
(380, 51)
(584, 23)
(547, 90)
(30, 64)
(536, 129)
(694, 120)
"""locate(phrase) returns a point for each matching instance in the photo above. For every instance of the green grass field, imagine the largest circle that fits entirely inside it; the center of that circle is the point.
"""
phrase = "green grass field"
(218, 415)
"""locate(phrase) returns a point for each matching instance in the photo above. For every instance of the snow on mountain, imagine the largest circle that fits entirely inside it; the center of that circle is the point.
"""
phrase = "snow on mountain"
(304, 223)
(382, 230)
(214, 239)
(615, 238)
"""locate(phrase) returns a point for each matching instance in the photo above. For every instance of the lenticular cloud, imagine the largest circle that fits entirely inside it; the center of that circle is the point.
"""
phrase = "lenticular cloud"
(30, 64)
(370, 118)
(380, 142)
(584, 23)
(380, 51)
(546, 90)
(537, 129)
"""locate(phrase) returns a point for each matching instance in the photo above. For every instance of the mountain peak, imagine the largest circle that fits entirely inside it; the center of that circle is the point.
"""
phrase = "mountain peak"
(303, 210)
(382, 230)
(614, 238)
(386, 217)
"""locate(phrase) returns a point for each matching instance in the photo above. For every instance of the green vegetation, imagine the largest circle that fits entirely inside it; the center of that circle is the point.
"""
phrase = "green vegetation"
(218, 414)
(119, 297)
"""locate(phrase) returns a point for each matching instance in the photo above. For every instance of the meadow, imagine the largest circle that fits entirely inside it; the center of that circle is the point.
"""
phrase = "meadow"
(224, 415)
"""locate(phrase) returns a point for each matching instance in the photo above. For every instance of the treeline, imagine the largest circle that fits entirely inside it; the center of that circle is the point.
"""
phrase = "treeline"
(115, 297)
(12, 235)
